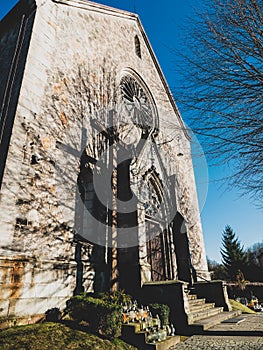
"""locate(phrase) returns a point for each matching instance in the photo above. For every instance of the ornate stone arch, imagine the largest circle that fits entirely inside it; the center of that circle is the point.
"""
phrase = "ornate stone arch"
(137, 101)
(157, 230)
(153, 196)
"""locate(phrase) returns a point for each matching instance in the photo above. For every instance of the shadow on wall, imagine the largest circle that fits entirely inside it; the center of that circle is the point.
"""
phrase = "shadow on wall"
(14, 44)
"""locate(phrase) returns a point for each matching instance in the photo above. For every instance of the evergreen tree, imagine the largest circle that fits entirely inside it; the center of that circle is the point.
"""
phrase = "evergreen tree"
(234, 258)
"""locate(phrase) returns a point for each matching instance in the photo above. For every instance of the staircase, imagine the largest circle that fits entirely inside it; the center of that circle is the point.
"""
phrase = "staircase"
(192, 311)
(132, 334)
(200, 316)
(203, 315)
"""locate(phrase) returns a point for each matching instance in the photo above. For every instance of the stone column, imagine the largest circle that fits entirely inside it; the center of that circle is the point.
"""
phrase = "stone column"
(145, 267)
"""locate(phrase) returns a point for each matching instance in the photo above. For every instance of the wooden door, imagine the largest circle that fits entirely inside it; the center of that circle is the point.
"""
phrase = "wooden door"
(155, 251)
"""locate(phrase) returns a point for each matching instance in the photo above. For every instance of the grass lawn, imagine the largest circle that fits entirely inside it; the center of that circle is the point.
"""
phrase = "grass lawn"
(238, 306)
(55, 336)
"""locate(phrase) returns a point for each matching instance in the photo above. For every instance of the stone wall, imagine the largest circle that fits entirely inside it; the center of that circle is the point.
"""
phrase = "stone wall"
(77, 54)
(25, 279)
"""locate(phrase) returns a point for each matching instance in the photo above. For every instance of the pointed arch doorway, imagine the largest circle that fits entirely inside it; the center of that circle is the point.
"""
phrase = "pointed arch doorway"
(159, 247)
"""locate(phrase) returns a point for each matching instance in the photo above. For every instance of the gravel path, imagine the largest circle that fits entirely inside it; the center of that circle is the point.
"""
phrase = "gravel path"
(249, 324)
(199, 342)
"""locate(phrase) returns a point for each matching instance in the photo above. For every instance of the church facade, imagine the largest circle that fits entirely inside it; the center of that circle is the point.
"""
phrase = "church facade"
(97, 183)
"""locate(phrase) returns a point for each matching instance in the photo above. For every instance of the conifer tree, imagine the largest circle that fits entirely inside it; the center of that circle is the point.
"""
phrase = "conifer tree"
(233, 255)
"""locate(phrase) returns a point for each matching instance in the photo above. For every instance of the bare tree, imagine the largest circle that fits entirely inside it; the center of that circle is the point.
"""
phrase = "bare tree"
(221, 87)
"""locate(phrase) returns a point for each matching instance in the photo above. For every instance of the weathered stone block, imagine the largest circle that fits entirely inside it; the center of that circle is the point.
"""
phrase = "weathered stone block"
(4, 306)
(6, 233)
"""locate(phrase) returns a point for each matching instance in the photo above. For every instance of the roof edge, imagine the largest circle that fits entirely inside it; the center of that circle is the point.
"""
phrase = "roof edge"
(163, 79)
(23, 7)
(30, 5)
(86, 4)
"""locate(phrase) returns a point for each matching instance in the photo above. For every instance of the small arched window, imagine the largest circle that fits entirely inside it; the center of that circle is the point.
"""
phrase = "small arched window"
(137, 46)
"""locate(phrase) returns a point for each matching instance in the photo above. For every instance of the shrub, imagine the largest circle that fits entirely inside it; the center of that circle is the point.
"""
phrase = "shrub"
(116, 297)
(103, 317)
(110, 320)
(53, 315)
(77, 307)
(162, 310)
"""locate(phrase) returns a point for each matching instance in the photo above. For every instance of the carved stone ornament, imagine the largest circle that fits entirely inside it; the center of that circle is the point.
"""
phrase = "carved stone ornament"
(137, 103)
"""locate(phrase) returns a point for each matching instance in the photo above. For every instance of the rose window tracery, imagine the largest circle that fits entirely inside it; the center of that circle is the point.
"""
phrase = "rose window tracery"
(151, 195)
(137, 103)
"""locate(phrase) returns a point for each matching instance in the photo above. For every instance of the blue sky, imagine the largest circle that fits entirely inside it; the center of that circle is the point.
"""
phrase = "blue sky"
(163, 23)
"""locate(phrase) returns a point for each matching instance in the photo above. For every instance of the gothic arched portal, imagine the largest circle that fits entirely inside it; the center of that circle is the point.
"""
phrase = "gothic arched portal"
(159, 244)
(118, 145)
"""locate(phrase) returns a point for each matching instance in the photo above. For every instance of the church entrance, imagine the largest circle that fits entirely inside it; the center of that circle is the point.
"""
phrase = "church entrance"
(159, 253)
(155, 251)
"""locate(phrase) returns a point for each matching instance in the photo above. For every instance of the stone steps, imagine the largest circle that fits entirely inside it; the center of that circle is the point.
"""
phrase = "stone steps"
(195, 302)
(131, 334)
(196, 316)
(201, 307)
(205, 315)
(208, 322)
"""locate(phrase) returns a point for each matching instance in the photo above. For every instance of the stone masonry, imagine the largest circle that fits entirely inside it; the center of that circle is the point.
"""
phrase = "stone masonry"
(62, 65)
